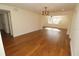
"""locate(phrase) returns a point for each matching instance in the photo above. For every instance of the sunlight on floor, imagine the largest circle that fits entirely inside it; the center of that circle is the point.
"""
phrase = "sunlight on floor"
(54, 29)
(53, 34)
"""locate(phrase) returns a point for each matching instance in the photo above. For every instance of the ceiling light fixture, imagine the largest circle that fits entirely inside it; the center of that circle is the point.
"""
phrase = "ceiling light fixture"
(45, 11)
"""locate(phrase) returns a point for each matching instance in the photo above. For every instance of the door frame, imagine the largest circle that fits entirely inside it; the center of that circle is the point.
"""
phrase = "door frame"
(9, 21)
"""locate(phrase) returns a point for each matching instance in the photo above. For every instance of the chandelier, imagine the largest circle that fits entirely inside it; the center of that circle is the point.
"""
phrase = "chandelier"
(45, 11)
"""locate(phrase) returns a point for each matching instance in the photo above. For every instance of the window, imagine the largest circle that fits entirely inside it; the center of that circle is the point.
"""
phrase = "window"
(54, 19)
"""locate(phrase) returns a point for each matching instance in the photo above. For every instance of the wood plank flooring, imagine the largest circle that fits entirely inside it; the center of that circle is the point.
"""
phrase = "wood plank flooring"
(45, 42)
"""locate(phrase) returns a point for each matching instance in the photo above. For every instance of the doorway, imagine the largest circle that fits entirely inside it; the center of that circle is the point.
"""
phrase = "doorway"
(5, 22)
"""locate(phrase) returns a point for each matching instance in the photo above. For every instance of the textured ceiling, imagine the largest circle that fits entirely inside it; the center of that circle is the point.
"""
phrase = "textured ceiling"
(52, 7)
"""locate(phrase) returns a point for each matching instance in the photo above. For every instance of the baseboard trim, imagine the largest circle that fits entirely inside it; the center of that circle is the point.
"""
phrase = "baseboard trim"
(25, 33)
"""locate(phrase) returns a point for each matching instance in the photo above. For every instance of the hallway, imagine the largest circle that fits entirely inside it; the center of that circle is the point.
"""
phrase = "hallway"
(45, 42)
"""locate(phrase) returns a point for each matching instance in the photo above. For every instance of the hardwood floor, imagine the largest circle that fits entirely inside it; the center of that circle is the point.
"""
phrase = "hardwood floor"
(45, 42)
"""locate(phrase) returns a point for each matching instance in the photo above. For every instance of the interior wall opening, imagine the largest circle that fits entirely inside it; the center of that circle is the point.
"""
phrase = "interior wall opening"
(5, 22)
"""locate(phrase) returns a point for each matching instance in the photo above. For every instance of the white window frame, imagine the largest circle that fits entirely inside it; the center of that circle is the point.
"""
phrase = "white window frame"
(54, 19)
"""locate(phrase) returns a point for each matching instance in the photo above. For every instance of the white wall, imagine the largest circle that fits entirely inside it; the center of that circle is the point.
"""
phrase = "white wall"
(6, 23)
(23, 21)
(2, 53)
(74, 33)
(2, 21)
